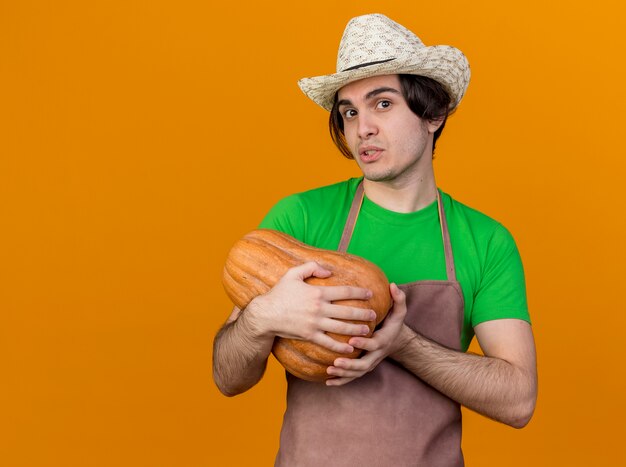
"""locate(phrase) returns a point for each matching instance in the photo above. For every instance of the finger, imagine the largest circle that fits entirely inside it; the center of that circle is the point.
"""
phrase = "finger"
(340, 327)
(365, 343)
(308, 269)
(338, 381)
(399, 297)
(396, 315)
(344, 373)
(398, 311)
(355, 365)
(345, 292)
(349, 312)
(328, 342)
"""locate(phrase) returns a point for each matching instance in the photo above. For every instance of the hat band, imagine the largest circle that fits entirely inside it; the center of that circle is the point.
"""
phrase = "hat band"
(355, 67)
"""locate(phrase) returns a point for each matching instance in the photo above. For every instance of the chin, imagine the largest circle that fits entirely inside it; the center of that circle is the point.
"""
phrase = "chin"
(379, 176)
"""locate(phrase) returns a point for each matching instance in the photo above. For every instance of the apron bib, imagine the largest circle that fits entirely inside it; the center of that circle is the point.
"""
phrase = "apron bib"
(388, 417)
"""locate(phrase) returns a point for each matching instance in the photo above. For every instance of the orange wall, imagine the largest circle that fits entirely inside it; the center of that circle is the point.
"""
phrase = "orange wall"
(139, 140)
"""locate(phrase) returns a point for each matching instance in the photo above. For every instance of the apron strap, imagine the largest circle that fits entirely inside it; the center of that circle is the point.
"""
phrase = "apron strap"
(352, 215)
(445, 234)
(357, 201)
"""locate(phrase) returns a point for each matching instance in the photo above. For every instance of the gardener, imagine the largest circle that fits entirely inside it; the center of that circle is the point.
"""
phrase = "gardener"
(459, 270)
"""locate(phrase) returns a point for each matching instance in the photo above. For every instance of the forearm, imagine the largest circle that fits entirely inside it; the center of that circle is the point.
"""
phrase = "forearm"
(240, 356)
(490, 386)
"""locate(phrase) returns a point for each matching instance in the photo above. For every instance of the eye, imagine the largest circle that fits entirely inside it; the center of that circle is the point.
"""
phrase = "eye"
(349, 113)
(384, 104)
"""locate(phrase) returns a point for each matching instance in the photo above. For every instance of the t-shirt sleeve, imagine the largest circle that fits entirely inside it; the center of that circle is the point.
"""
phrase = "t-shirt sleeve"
(287, 216)
(502, 290)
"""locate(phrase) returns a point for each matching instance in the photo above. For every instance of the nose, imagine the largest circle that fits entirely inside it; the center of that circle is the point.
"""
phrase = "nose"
(367, 126)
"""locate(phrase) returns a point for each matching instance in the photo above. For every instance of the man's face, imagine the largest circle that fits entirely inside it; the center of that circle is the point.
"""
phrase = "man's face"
(389, 142)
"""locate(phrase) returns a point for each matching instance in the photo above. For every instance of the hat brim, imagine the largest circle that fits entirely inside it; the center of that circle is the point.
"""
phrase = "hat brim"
(445, 64)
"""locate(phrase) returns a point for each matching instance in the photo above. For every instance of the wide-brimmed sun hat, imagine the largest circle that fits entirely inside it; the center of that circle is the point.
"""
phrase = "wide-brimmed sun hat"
(375, 45)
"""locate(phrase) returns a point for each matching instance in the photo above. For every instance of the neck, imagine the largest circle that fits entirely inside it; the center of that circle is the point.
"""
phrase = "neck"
(405, 196)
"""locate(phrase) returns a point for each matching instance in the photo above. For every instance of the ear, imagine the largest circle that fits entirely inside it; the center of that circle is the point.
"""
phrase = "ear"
(434, 124)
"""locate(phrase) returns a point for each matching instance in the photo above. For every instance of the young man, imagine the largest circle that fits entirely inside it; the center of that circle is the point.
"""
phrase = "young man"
(460, 275)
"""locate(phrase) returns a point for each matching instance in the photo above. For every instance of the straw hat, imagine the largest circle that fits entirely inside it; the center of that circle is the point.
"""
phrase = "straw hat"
(374, 45)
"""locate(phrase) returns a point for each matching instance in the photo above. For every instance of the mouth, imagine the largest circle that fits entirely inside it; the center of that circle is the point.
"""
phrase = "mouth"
(370, 154)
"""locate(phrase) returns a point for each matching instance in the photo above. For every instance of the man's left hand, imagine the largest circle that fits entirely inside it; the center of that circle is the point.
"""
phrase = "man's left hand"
(383, 342)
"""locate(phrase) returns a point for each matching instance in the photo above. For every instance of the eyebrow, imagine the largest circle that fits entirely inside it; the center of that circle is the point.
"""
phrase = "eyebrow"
(369, 95)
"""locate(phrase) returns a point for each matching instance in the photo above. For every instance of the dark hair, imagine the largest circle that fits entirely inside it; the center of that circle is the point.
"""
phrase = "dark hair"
(425, 97)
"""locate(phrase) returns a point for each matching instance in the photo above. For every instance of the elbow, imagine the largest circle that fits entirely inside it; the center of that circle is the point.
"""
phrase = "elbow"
(229, 384)
(226, 389)
(522, 414)
(227, 392)
(223, 388)
(522, 411)
(520, 422)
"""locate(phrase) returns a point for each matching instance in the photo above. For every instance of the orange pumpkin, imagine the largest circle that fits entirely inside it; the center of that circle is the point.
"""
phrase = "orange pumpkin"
(258, 261)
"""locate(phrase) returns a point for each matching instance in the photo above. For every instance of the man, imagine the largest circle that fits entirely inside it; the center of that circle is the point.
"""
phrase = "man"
(460, 275)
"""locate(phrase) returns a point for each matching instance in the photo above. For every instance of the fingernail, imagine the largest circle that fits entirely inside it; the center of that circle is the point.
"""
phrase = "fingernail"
(365, 330)
(372, 316)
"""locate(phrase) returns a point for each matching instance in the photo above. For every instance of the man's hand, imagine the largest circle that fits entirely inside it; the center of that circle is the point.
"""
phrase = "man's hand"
(297, 310)
(292, 309)
(383, 342)
(501, 385)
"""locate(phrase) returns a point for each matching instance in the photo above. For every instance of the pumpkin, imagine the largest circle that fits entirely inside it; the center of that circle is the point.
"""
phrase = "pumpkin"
(258, 261)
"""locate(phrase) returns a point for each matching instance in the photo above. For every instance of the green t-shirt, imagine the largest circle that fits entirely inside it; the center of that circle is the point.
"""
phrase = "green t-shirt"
(408, 246)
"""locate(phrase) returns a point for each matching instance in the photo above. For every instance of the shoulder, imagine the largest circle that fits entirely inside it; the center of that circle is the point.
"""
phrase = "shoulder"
(490, 262)
(467, 220)
(482, 242)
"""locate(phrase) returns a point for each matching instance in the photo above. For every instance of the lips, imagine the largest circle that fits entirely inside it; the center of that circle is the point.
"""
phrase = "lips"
(370, 154)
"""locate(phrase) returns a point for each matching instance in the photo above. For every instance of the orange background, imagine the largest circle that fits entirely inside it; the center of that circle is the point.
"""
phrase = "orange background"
(140, 139)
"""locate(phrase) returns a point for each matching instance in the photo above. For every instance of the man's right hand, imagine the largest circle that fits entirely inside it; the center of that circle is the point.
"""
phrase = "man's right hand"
(297, 310)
